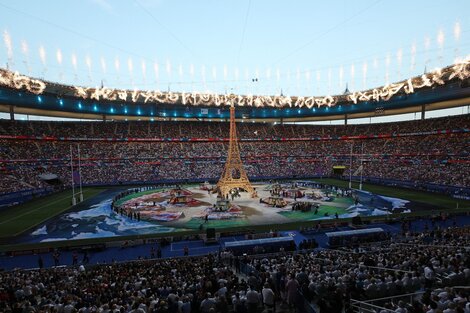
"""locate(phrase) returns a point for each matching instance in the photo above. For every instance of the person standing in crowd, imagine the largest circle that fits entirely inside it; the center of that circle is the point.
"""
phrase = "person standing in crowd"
(74, 258)
(268, 298)
(238, 304)
(292, 289)
(429, 275)
(207, 304)
(252, 300)
(56, 257)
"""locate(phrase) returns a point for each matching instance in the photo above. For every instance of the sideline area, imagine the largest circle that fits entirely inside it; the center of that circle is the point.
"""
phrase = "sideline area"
(18, 219)
(441, 200)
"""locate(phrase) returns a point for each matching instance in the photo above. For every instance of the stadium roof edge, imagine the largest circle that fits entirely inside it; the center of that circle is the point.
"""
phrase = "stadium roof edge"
(5, 107)
(439, 89)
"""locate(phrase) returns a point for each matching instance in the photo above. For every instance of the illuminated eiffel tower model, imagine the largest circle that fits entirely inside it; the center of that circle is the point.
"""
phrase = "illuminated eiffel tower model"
(234, 175)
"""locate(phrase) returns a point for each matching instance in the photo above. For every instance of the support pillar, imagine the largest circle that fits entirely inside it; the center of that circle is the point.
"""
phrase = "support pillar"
(104, 118)
(423, 111)
(345, 119)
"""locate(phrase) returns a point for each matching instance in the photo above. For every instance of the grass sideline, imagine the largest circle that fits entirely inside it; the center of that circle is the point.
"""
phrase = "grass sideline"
(403, 193)
(20, 218)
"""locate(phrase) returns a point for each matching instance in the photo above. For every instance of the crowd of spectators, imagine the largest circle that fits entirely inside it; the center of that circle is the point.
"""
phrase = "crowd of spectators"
(420, 261)
(327, 279)
(205, 129)
(432, 158)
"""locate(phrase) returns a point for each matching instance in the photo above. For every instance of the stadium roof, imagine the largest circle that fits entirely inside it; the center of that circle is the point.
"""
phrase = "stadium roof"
(443, 88)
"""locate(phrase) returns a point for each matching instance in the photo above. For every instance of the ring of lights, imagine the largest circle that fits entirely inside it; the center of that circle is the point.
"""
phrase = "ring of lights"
(460, 71)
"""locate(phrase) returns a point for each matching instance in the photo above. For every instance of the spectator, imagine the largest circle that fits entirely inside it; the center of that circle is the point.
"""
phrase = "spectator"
(268, 298)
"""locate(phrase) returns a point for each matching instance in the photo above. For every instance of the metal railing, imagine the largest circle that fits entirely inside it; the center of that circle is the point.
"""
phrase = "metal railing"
(377, 305)
(432, 246)
(375, 268)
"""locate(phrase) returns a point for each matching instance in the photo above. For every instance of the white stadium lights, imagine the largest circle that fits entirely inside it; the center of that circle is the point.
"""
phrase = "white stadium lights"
(460, 70)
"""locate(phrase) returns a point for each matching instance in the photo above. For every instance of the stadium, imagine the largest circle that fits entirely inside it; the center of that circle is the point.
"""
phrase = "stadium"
(135, 182)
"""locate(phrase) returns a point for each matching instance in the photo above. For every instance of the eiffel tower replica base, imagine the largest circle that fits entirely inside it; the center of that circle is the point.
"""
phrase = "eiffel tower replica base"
(225, 187)
(234, 175)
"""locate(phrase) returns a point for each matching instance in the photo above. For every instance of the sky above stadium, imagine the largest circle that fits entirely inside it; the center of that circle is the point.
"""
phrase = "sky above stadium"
(244, 46)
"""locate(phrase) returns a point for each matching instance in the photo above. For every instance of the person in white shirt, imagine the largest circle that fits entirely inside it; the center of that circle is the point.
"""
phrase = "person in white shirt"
(222, 290)
(268, 298)
(252, 300)
(207, 304)
(429, 276)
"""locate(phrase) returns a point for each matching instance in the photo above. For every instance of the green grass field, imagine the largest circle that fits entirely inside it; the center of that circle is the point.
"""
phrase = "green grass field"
(331, 210)
(406, 194)
(20, 218)
(343, 200)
